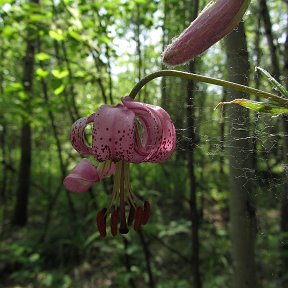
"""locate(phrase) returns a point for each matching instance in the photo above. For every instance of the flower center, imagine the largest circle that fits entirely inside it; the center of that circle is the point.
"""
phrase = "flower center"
(124, 202)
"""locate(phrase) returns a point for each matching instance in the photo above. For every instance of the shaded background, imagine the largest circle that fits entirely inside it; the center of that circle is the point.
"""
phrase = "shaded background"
(219, 215)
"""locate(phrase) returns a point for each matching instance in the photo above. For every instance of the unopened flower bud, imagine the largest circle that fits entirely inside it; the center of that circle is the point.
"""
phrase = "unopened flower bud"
(217, 20)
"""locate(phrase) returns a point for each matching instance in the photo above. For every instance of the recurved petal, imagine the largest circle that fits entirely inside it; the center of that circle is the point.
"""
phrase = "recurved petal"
(150, 139)
(168, 139)
(113, 133)
(77, 135)
(82, 177)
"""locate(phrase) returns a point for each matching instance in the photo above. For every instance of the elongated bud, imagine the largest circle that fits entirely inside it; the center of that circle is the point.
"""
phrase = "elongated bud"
(218, 19)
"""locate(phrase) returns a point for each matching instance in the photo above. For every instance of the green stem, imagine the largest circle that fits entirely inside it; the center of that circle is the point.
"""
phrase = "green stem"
(205, 79)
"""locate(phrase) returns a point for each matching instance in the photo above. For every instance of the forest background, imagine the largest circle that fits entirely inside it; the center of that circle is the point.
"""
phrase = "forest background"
(220, 208)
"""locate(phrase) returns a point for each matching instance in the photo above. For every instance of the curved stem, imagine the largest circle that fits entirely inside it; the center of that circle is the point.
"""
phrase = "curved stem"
(206, 79)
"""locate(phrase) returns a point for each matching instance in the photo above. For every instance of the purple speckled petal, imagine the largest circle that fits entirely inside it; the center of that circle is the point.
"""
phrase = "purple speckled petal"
(152, 130)
(159, 136)
(168, 140)
(113, 133)
(77, 135)
(82, 177)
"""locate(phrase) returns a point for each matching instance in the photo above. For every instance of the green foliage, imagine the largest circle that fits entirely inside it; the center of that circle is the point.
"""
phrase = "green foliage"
(91, 52)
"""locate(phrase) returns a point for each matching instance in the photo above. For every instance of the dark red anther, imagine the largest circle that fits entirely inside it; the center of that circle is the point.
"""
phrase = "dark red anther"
(123, 230)
(114, 222)
(147, 213)
(123, 224)
(138, 218)
(131, 216)
(101, 222)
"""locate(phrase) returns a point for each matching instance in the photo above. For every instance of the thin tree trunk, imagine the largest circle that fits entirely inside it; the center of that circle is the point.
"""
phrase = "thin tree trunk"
(284, 204)
(4, 166)
(191, 171)
(20, 215)
(147, 260)
(127, 260)
(276, 74)
(242, 210)
(270, 39)
(3, 145)
(222, 133)
(60, 156)
(257, 77)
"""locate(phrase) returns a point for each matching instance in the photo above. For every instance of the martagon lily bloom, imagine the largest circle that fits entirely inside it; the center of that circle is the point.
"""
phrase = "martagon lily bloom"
(131, 132)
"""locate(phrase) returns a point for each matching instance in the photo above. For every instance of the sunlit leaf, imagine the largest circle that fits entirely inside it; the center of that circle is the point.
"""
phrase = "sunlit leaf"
(273, 81)
(60, 73)
(59, 90)
(41, 73)
(22, 95)
(42, 56)
(57, 35)
(14, 87)
(263, 107)
(75, 35)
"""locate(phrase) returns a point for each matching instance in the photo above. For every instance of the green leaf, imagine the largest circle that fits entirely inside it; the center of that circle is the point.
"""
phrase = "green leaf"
(57, 35)
(41, 73)
(263, 107)
(42, 56)
(60, 73)
(22, 95)
(273, 81)
(75, 35)
(59, 90)
(91, 239)
(34, 257)
(14, 87)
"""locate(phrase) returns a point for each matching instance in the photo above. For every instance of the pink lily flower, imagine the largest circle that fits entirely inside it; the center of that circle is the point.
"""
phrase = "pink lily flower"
(217, 20)
(131, 132)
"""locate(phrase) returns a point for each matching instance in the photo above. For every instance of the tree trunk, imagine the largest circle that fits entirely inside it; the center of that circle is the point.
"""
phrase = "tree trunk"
(276, 74)
(270, 39)
(242, 210)
(20, 216)
(191, 171)
(147, 255)
(284, 203)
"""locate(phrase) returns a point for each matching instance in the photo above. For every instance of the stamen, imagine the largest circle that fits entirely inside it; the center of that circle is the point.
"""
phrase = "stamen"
(114, 222)
(138, 219)
(131, 215)
(147, 213)
(101, 222)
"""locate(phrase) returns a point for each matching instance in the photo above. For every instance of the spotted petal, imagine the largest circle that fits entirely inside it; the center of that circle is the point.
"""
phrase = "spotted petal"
(159, 136)
(113, 133)
(152, 130)
(168, 139)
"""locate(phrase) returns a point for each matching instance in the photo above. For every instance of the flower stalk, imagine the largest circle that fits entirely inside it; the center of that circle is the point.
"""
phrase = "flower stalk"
(209, 80)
